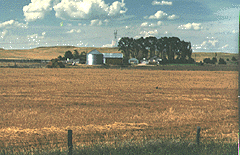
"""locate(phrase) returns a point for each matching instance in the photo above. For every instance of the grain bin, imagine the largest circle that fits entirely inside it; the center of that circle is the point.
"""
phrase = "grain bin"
(94, 58)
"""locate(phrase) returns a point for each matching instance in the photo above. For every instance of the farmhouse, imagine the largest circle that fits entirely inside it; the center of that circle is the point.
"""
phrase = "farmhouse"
(113, 58)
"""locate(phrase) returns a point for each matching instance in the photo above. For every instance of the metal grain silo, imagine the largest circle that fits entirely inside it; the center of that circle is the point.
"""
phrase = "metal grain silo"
(94, 58)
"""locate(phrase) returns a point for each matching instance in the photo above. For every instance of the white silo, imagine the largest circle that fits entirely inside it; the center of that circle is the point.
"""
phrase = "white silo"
(94, 58)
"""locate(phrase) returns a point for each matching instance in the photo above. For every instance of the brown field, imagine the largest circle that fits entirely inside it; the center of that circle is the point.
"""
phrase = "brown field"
(108, 104)
(49, 53)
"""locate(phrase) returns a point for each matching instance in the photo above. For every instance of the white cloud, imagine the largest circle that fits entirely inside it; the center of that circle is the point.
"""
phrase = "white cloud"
(172, 17)
(144, 24)
(210, 44)
(159, 23)
(213, 42)
(106, 20)
(225, 46)
(89, 9)
(147, 34)
(68, 24)
(152, 32)
(96, 22)
(35, 36)
(166, 32)
(37, 9)
(13, 24)
(158, 15)
(189, 26)
(32, 36)
(4, 33)
(110, 45)
(161, 3)
(235, 31)
(74, 31)
(43, 34)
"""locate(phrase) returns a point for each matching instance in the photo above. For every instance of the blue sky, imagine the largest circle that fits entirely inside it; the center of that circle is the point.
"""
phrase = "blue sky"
(210, 25)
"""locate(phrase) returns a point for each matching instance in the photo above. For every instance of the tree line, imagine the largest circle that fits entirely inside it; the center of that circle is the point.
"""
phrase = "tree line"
(75, 55)
(169, 49)
(57, 62)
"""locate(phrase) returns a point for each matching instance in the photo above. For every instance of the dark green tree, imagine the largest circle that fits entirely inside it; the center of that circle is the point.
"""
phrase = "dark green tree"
(222, 61)
(214, 60)
(151, 44)
(82, 57)
(234, 59)
(125, 45)
(76, 54)
(60, 57)
(68, 54)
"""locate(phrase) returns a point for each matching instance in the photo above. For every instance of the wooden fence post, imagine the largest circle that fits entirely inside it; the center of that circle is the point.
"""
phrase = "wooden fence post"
(198, 134)
(70, 142)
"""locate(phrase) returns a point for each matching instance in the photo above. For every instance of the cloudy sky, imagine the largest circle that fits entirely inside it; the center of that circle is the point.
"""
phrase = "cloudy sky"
(210, 25)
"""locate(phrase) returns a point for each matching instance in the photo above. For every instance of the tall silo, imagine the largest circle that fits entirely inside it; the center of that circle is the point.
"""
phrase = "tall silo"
(94, 58)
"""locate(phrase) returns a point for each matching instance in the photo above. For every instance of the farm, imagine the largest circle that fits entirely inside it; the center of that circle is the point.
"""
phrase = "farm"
(106, 104)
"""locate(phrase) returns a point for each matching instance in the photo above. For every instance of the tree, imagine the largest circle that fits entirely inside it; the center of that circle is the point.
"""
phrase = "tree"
(214, 60)
(151, 43)
(60, 57)
(234, 59)
(207, 60)
(76, 54)
(68, 54)
(55, 63)
(125, 45)
(82, 57)
(222, 61)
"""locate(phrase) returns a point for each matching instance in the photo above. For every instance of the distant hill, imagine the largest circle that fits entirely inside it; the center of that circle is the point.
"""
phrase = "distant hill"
(48, 53)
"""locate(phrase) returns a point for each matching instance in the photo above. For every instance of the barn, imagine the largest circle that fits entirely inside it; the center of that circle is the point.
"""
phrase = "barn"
(113, 58)
(94, 58)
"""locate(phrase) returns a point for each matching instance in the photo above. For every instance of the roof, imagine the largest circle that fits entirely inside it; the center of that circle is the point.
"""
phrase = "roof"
(94, 52)
(112, 55)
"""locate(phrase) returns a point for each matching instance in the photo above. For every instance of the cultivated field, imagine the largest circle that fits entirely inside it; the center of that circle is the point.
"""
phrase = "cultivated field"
(41, 104)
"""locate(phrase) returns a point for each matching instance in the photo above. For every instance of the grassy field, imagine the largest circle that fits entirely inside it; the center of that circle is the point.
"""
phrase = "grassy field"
(41, 104)
(49, 53)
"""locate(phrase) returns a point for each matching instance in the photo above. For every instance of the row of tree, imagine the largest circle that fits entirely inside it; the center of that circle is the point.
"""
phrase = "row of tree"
(170, 49)
(74, 55)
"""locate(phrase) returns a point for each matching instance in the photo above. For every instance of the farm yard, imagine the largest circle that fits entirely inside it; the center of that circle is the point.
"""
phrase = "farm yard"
(41, 104)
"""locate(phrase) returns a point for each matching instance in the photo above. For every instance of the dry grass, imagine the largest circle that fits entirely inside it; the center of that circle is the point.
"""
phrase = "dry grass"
(109, 104)
(48, 53)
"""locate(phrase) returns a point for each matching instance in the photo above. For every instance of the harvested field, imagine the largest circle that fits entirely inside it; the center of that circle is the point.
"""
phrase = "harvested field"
(109, 104)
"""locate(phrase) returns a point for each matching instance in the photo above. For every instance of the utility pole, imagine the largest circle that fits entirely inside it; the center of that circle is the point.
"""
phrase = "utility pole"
(115, 37)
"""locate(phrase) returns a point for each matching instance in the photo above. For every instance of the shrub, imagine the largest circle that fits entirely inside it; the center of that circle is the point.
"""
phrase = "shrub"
(222, 61)
(227, 59)
(55, 63)
(201, 63)
(234, 59)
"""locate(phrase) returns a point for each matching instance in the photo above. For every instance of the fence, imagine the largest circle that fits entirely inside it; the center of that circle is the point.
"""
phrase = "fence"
(65, 143)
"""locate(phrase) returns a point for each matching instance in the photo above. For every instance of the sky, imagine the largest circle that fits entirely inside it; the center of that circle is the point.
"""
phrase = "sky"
(210, 25)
